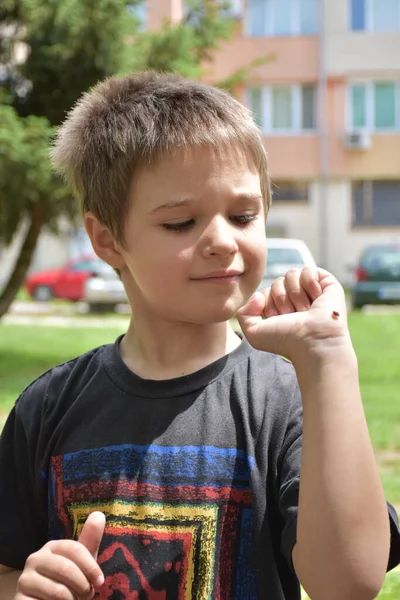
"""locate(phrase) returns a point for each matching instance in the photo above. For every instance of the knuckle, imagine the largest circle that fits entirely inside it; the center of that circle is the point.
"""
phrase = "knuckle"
(23, 582)
(60, 592)
(93, 571)
(33, 559)
(68, 573)
(80, 549)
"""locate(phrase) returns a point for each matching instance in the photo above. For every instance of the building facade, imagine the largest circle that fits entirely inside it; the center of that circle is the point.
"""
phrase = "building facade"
(327, 100)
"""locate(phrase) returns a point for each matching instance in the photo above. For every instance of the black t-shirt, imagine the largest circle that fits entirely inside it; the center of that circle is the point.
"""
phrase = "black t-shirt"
(198, 476)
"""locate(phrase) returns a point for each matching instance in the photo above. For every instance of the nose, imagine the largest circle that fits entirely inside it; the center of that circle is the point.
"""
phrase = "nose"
(219, 238)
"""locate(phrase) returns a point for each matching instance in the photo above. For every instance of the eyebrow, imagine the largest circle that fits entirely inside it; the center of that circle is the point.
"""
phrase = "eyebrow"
(190, 201)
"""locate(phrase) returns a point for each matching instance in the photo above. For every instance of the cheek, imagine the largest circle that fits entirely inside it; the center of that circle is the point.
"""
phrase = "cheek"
(163, 266)
(255, 248)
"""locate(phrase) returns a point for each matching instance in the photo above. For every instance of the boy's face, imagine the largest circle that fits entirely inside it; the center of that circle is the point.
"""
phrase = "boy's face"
(195, 247)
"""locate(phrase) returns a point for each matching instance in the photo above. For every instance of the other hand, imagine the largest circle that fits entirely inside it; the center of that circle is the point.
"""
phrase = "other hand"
(65, 569)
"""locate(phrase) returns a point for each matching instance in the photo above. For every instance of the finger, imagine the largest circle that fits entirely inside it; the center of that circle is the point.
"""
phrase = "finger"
(250, 315)
(34, 585)
(280, 297)
(309, 281)
(295, 291)
(67, 572)
(92, 532)
(81, 556)
(270, 309)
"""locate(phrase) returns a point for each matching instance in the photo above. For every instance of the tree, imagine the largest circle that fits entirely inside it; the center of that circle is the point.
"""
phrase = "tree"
(28, 189)
(67, 46)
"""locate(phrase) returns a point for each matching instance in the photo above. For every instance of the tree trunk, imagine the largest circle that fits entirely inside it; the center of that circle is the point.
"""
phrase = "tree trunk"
(24, 259)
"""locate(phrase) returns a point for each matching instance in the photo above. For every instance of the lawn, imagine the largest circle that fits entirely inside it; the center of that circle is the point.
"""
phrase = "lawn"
(27, 351)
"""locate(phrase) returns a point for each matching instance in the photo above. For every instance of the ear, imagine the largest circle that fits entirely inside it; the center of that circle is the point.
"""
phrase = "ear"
(103, 242)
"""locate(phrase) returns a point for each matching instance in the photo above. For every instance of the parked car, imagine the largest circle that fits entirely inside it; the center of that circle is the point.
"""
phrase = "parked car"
(103, 291)
(285, 254)
(377, 276)
(66, 282)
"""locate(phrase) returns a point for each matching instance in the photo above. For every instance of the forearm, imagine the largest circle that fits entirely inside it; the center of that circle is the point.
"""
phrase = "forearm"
(343, 529)
(8, 584)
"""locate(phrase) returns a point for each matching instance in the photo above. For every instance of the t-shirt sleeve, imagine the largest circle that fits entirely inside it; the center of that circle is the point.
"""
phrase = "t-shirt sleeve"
(289, 474)
(394, 556)
(22, 530)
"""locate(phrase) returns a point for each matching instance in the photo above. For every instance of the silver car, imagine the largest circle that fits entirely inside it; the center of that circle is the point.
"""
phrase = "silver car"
(285, 254)
(104, 290)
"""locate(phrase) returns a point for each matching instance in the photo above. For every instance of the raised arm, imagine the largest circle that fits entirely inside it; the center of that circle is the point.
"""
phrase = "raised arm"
(343, 535)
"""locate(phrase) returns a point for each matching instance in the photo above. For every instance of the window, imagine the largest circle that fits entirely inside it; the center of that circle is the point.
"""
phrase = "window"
(256, 103)
(385, 105)
(232, 9)
(385, 257)
(375, 105)
(375, 15)
(283, 108)
(358, 104)
(284, 256)
(289, 191)
(376, 203)
(95, 266)
(281, 17)
(139, 12)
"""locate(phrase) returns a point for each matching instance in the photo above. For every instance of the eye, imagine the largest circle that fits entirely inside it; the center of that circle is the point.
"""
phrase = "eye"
(179, 226)
(243, 219)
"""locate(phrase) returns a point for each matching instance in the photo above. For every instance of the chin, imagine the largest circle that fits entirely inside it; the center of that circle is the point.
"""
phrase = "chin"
(219, 314)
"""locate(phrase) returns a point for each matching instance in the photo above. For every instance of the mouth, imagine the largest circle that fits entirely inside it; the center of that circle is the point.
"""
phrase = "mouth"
(220, 277)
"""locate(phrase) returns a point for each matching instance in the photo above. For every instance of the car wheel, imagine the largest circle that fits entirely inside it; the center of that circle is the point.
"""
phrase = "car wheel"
(101, 308)
(42, 293)
(356, 304)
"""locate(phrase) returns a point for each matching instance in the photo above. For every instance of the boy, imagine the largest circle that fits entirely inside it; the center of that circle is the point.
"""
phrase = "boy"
(168, 464)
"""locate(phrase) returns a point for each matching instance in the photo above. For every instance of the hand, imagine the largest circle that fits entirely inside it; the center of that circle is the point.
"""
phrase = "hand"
(296, 314)
(65, 569)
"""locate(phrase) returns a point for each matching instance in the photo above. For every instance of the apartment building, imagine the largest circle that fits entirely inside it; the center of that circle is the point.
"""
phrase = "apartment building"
(327, 101)
(328, 104)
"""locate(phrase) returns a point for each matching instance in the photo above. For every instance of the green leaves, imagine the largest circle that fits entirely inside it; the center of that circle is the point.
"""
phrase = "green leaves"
(26, 176)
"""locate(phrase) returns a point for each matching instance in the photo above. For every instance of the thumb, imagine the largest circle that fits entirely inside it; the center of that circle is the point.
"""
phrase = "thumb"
(250, 315)
(92, 532)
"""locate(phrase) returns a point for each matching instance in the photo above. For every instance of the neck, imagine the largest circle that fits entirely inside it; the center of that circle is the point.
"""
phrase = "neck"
(167, 350)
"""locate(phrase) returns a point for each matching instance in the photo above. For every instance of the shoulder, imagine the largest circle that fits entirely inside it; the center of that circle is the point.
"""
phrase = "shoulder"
(271, 375)
(49, 387)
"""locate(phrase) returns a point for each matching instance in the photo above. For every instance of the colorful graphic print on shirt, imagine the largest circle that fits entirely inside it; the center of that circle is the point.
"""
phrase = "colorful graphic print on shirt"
(179, 519)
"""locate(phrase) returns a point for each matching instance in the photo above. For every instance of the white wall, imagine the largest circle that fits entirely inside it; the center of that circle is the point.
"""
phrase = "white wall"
(51, 251)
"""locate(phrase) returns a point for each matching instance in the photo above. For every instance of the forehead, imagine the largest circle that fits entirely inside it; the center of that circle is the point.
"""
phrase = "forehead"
(195, 172)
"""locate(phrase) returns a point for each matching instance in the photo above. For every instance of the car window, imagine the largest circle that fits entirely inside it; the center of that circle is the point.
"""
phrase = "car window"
(381, 258)
(94, 266)
(284, 256)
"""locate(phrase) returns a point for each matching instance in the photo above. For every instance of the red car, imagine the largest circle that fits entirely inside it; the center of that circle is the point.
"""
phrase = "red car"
(66, 282)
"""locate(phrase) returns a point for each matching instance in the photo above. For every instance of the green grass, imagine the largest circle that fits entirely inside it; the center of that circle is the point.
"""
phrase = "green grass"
(390, 590)
(377, 342)
(26, 352)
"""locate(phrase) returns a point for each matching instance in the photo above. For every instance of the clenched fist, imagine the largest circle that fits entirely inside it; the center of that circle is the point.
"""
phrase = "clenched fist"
(305, 310)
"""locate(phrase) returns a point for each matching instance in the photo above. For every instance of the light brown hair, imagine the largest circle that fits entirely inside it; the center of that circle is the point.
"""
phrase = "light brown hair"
(126, 123)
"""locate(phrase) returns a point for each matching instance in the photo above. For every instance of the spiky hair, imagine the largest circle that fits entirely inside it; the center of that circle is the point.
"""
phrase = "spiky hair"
(130, 122)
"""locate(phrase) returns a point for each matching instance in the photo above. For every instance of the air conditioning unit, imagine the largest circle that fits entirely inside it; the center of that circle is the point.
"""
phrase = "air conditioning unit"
(357, 140)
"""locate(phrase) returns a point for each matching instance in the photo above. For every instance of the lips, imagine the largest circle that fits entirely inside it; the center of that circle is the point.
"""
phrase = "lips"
(220, 275)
